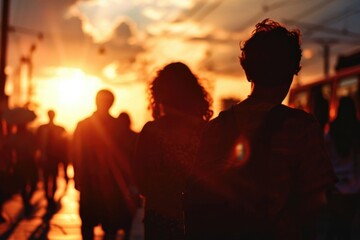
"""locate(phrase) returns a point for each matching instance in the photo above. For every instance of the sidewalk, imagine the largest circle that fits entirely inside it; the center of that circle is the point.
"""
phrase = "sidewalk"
(17, 226)
(62, 225)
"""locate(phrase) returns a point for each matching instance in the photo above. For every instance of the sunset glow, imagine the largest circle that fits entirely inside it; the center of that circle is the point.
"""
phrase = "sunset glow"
(71, 93)
(199, 84)
(120, 44)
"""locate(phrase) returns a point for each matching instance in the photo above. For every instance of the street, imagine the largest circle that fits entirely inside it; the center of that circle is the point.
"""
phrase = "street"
(62, 224)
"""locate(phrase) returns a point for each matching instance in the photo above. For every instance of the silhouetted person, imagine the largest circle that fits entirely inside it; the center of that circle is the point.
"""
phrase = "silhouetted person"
(319, 106)
(262, 169)
(102, 172)
(128, 136)
(52, 141)
(23, 146)
(343, 141)
(5, 170)
(167, 146)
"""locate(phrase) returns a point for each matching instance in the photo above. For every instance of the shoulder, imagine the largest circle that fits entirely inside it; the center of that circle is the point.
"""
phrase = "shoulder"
(60, 128)
(219, 126)
(221, 120)
(293, 112)
(158, 124)
(83, 124)
(293, 117)
(42, 127)
(148, 129)
(293, 126)
(148, 126)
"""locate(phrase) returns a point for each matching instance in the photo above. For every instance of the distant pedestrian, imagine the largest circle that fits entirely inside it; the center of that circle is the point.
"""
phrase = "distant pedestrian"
(167, 146)
(319, 106)
(102, 172)
(52, 142)
(128, 136)
(6, 173)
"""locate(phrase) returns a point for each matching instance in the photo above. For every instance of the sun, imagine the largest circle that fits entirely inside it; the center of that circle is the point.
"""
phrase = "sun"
(76, 88)
(70, 92)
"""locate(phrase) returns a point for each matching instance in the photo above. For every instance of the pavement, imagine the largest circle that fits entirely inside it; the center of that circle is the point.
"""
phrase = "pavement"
(62, 224)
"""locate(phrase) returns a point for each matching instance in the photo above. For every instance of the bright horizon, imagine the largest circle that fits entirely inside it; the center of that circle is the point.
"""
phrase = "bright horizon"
(70, 92)
(88, 45)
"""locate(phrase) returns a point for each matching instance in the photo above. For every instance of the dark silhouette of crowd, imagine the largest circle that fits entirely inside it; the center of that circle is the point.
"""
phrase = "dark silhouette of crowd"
(29, 156)
(258, 170)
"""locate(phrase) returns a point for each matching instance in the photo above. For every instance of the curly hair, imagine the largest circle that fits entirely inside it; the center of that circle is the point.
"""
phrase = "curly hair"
(270, 53)
(178, 89)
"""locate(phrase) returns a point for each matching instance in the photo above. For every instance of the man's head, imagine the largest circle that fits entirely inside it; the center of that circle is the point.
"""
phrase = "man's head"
(271, 56)
(104, 100)
(51, 115)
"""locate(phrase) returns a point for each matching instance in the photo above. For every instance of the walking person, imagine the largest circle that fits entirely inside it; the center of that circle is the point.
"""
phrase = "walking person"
(167, 146)
(52, 142)
(129, 137)
(102, 172)
(262, 170)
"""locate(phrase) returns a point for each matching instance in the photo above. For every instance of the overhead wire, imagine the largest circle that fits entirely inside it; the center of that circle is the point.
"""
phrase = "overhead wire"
(209, 10)
(266, 8)
(324, 29)
(313, 9)
(336, 18)
(193, 11)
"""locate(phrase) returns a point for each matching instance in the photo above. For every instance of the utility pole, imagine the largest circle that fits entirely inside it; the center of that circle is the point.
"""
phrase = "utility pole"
(3, 52)
(326, 49)
(326, 45)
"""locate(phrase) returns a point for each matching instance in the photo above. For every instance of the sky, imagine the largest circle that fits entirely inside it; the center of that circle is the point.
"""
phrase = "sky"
(85, 45)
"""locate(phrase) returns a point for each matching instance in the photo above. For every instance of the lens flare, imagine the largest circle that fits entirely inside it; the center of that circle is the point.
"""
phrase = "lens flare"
(240, 153)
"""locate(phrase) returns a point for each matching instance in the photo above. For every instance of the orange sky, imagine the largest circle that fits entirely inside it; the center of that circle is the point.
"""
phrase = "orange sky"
(119, 44)
(71, 93)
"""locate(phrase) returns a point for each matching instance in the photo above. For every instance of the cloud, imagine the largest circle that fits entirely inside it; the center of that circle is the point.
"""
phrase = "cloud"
(126, 36)
(94, 34)
(101, 18)
(49, 18)
(125, 33)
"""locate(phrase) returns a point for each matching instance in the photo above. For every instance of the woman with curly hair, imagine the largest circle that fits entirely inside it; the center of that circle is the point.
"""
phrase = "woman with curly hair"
(167, 146)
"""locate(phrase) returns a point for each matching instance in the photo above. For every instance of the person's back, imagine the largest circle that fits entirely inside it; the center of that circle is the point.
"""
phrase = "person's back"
(128, 137)
(102, 172)
(172, 142)
(167, 146)
(52, 144)
(262, 169)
